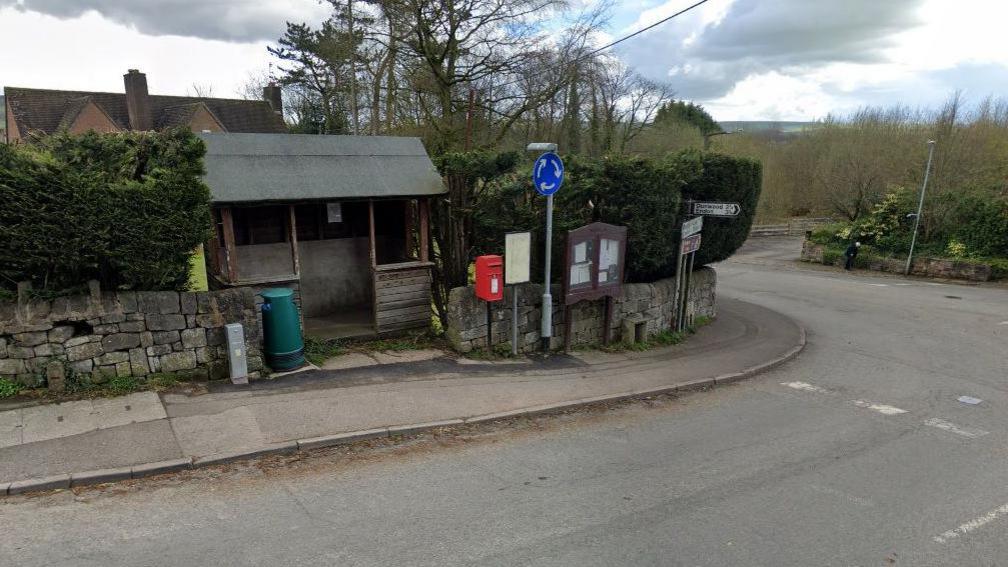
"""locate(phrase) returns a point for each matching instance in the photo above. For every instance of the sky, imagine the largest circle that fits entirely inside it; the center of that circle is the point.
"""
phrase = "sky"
(741, 59)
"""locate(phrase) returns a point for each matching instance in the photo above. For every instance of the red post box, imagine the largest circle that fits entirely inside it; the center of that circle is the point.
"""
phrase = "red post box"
(490, 278)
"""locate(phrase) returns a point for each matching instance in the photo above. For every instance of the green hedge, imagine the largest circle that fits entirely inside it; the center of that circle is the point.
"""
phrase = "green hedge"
(727, 179)
(126, 209)
(642, 194)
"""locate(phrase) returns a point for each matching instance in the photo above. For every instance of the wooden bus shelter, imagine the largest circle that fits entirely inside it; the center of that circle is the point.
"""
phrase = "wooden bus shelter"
(344, 220)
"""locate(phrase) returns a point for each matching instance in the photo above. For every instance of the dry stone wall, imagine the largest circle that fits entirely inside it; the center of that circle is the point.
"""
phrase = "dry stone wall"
(647, 307)
(96, 337)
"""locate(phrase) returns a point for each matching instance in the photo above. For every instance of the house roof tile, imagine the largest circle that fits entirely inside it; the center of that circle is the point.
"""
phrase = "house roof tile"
(44, 110)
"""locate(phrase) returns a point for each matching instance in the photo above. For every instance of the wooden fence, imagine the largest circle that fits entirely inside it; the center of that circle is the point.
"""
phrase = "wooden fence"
(794, 227)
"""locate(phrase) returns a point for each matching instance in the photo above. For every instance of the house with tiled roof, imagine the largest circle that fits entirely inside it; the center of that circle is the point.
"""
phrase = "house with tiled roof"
(31, 112)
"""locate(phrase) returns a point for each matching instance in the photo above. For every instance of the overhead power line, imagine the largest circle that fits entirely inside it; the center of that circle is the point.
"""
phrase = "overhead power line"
(642, 30)
(591, 53)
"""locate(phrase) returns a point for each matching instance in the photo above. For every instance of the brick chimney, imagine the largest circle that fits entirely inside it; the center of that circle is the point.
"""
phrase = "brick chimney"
(271, 94)
(138, 101)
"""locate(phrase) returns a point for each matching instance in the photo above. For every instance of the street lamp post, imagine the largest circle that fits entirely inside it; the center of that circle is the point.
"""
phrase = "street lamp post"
(920, 206)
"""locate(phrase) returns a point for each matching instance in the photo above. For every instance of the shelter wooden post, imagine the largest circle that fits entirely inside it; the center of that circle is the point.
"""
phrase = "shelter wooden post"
(409, 210)
(372, 251)
(424, 229)
(230, 256)
(295, 257)
(373, 254)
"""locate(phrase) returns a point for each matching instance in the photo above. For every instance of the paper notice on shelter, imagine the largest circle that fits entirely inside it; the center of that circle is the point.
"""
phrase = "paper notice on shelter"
(580, 252)
(334, 212)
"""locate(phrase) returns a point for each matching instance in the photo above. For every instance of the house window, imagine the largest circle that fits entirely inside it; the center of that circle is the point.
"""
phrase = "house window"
(260, 225)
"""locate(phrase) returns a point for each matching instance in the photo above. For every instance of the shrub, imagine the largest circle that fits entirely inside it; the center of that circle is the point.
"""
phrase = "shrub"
(980, 224)
(126, 209)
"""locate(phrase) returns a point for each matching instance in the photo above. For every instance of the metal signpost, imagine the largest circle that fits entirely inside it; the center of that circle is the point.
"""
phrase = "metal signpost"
(687, 252)
(517, 252)
(716, 209)
(692, 226)
(547, 176)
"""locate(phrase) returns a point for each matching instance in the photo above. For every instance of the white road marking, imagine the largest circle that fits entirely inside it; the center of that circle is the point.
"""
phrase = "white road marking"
(881, 408)
(1003, 323)
(973, 524)
(970, 432)
(902, 284)
(970, 400)
(805, 386)
(879, 284)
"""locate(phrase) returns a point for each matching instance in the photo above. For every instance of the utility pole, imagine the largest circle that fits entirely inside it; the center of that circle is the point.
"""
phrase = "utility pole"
(920, 206)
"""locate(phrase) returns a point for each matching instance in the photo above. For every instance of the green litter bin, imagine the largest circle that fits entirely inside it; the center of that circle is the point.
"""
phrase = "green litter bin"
(281, 330)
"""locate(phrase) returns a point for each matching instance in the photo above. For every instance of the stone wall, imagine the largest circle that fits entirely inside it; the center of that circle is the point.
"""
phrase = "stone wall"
(647, 304)
(107, 334)
(922, 266)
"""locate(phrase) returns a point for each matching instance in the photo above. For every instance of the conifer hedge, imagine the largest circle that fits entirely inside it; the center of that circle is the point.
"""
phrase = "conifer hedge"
(642, 194)
(127, 209)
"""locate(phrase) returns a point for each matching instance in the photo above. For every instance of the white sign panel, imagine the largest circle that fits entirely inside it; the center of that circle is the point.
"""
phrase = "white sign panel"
(717, 209)
(692, 226)
(334, 212)
(517, 251)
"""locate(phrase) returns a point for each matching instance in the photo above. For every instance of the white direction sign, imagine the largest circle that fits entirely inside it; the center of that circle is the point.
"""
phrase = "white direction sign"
(692, 226)
(717, 209)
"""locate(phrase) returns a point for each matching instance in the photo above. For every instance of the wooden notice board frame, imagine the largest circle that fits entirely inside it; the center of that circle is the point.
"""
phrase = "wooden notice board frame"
(584, 254)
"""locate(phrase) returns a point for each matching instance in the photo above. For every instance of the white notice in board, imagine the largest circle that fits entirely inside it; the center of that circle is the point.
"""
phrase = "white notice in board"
(334, 212)
(608, 254)
(580, 252)
(580, 274)
(517, 251)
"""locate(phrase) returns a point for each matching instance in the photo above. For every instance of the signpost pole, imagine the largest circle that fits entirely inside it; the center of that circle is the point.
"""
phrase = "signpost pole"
(681, 300)
(546, 332)
(679, 265)
(514, 320)
(689, 276)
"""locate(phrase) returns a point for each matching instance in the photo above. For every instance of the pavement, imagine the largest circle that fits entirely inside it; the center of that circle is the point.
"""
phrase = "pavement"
(382, 394)
(857, 452)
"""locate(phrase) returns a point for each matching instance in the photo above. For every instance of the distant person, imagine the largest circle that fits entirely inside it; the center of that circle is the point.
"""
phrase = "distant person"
(851, 253)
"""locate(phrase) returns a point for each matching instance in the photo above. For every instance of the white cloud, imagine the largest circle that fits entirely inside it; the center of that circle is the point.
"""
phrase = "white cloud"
(92, 53)
(772, 96)
(796, 59)
(231, 20)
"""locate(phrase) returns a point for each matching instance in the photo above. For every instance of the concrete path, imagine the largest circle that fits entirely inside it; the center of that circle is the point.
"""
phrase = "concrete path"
(235, 419)
(52, 421)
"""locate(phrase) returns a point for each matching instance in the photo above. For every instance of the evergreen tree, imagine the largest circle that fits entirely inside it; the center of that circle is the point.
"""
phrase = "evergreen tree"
(689, 113)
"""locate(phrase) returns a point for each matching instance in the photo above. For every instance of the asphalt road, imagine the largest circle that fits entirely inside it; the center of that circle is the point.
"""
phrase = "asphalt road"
(856, 453)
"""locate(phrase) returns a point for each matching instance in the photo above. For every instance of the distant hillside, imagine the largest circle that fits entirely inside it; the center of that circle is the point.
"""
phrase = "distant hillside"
(764, 125)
